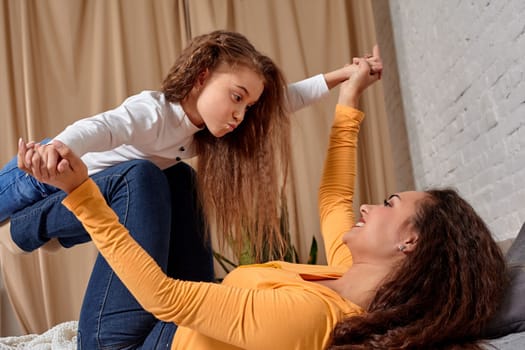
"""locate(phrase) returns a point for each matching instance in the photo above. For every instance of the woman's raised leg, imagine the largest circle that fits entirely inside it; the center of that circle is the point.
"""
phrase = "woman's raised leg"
(123, 324)
(111, 318)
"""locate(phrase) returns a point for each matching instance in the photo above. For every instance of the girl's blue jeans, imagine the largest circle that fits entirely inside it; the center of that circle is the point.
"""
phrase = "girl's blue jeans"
(161, 211)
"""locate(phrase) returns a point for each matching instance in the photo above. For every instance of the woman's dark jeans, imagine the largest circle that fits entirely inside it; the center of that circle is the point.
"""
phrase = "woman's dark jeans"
(162, 213)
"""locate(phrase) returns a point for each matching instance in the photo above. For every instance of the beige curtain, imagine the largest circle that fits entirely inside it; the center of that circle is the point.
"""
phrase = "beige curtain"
(62, 60)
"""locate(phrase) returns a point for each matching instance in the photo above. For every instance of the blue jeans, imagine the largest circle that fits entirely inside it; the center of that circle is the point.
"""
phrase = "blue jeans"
(19, 190)
(162, 214)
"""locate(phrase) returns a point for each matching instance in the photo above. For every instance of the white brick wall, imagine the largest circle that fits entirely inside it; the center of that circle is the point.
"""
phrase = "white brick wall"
(461, 67)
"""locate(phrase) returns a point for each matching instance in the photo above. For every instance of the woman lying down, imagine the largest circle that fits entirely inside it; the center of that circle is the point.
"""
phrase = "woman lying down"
(419, 271)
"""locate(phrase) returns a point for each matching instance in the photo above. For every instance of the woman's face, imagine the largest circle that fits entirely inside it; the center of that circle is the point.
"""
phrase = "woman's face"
(383, 229)
(223, 97)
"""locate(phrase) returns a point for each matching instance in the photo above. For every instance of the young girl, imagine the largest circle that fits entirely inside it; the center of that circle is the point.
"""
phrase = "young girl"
(222, 100)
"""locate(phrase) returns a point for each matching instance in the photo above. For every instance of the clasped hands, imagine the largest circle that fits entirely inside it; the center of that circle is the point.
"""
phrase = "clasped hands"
(54, 164)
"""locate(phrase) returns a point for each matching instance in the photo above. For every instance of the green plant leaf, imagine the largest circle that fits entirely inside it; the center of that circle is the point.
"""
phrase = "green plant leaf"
(312, 258)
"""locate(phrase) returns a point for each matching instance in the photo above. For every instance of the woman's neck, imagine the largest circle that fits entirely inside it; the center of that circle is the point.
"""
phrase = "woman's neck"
(359, 283)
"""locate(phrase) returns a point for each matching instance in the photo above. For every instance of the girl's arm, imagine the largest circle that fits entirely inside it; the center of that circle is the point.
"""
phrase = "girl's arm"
(308, 91)
(138, 120)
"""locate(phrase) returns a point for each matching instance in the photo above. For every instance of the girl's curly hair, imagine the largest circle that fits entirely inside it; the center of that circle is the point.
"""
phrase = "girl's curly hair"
(241, 176)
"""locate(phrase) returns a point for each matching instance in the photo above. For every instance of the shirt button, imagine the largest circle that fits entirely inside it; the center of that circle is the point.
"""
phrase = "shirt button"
(182, 149)
(177, 159)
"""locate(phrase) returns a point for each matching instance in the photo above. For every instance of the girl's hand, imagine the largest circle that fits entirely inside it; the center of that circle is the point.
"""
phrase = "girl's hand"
(25, 154)
(34, 155)
(40, 160)
(375, 62)
(342, 74)
(70, 172)
(363, 77)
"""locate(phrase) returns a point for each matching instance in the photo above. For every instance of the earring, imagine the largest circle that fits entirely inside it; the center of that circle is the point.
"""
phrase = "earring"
(401, 247)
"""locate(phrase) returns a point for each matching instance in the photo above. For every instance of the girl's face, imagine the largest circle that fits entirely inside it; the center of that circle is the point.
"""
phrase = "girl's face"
(382, 229)
(222, 97)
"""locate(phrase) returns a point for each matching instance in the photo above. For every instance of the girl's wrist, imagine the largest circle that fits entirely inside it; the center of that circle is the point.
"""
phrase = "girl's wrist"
(337, 76)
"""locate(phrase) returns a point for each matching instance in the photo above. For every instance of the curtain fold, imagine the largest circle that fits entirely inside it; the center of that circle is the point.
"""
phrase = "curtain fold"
(67, 59)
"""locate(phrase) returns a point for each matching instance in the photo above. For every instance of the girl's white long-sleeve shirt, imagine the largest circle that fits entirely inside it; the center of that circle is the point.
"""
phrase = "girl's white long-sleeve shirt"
(147, 126)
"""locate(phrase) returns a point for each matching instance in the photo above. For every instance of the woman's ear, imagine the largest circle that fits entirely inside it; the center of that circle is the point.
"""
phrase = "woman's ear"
(409, 242)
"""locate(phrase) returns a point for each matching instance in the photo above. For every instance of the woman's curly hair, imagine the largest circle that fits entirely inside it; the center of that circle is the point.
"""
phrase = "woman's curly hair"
(444, 292)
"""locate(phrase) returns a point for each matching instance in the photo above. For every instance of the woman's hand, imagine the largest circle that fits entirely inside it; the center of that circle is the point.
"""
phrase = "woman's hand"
(40, 160)
(365, 75)
(69, 173)
(339, 75)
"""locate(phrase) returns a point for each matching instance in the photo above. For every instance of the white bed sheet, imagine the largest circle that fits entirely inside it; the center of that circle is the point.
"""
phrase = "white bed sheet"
(60, 337)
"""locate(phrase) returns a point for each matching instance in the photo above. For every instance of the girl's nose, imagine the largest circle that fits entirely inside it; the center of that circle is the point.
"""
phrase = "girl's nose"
(363, 209)
(238, 116)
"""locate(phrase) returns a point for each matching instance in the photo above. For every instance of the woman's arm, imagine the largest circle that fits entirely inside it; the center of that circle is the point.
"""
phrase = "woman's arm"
(337, 183)
(250, 318)
(244, 317)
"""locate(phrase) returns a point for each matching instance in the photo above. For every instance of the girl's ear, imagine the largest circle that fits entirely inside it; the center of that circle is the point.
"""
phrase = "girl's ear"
(201, 79)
